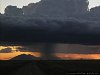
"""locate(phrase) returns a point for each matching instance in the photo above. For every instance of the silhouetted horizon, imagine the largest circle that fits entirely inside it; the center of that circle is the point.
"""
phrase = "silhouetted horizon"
(25, 57)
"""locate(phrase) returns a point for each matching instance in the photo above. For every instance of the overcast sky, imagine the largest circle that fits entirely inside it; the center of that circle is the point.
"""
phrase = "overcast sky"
(21, 3)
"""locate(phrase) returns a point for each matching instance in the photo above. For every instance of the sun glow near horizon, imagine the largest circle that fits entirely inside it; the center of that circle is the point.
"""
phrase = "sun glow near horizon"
(8, 56)
(14, 52)
(65, 56)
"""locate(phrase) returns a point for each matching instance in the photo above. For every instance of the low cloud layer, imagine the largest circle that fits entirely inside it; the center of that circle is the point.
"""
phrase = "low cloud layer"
(19, 29)
(76, 49)
(6, 50)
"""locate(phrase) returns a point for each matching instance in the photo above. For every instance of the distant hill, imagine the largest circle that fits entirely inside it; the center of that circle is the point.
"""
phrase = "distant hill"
(25, 57)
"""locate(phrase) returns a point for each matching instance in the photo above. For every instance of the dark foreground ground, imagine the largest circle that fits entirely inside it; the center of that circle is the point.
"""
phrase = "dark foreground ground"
(73, 67)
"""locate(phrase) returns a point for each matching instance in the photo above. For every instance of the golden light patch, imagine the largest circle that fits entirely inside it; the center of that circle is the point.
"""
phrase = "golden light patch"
(77, 56)
(8, 56)
(14, 48)
(14, 53)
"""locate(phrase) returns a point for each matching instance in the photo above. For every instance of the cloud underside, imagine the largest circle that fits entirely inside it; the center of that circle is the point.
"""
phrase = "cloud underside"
(17, 29)
(6, 50)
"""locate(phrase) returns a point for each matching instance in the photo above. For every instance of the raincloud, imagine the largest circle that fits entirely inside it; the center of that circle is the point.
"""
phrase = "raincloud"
(21, 29)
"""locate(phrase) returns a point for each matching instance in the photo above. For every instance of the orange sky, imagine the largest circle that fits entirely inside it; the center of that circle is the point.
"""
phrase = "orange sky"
(77, 56)
(66, 56)
(7, 56)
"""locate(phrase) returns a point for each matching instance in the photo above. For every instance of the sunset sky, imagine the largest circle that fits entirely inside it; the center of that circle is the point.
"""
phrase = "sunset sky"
(21, 3)
(4, 55)
(63, 51)
(67, 52)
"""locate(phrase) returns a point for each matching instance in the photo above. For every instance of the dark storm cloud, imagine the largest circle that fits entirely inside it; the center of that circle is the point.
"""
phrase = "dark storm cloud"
(77, 49)
(26, 49)
(22, 49)
(21, 29)
(6, 50)
(30, 30)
